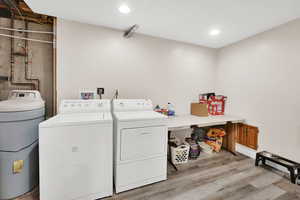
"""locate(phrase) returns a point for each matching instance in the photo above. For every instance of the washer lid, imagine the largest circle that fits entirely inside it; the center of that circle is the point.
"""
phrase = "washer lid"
(139, 116)
(77, 119)
(22, 100)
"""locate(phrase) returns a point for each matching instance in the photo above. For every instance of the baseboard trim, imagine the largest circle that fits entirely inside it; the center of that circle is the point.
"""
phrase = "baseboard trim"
(251, 153)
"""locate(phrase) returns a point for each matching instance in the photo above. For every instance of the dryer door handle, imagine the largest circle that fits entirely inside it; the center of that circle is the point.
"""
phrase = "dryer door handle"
(146, 133)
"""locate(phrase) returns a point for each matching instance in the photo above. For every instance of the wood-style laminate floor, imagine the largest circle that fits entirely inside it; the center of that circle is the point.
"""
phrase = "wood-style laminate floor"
(220, 176)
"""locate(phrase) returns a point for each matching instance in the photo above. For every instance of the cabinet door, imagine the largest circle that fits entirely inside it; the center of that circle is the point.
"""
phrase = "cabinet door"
(241, 137)
(252, 137)
(248, 136)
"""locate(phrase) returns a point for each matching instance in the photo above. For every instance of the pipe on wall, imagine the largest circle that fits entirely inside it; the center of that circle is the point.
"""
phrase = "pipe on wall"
(27, 77)
(55, 100)
(12, 60)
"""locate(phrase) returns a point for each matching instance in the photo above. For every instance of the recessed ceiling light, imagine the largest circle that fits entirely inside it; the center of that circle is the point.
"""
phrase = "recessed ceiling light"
(215, 32)
(124, 9)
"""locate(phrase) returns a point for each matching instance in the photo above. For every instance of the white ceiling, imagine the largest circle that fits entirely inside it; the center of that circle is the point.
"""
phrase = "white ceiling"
(181, 20)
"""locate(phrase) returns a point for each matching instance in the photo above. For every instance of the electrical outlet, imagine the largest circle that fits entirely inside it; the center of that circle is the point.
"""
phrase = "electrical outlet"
(100, 91)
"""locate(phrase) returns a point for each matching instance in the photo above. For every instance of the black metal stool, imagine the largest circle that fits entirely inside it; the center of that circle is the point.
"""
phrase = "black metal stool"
(293, 167)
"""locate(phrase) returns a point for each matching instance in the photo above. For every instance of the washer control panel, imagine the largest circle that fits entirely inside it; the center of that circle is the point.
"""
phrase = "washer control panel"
(25, 95)
(120, 105)
(84, 106)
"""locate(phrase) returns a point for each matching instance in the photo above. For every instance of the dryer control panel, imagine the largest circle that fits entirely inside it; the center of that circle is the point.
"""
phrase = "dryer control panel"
(123, 105)
(84, 106)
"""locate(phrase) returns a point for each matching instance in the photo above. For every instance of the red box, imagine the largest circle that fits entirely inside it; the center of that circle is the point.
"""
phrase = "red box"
(216, 104)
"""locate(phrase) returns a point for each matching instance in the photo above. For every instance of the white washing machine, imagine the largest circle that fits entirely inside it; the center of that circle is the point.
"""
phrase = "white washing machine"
(76, 151)
(140, 144)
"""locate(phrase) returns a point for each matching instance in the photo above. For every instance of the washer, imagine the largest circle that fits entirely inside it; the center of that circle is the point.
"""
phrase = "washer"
(140, 144)
(75, 152)
(20, 116)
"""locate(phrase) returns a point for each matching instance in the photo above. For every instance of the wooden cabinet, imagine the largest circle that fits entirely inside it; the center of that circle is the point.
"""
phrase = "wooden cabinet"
(229, 140)
(248, 136)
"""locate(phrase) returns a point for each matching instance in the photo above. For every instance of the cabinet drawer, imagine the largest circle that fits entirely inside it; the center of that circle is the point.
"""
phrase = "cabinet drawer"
(140, 143)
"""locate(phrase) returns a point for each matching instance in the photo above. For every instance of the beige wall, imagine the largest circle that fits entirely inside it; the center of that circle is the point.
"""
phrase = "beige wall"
(140, 67)
(260, 75)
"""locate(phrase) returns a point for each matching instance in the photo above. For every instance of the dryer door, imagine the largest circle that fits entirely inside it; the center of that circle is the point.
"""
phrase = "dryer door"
(143, 143)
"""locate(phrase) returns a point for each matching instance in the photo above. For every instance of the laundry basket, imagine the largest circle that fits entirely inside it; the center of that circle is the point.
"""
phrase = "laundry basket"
(180, 154)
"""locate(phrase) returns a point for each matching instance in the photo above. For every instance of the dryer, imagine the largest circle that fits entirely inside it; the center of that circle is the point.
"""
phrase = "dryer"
(76, 151)
(140, 144)
(20, 116)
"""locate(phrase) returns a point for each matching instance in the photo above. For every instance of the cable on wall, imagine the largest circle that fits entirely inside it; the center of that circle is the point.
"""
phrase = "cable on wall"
(27, 31)
(29, 39)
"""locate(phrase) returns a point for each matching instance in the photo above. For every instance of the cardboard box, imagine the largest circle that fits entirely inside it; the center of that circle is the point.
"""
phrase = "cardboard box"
(198, 109)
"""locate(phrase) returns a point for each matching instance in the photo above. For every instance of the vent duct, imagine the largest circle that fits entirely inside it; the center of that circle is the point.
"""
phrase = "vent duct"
(129, 32)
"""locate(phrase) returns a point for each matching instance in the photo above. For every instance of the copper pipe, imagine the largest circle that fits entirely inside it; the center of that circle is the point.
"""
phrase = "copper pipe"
(27, 77)
(12, 59)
